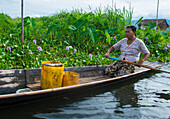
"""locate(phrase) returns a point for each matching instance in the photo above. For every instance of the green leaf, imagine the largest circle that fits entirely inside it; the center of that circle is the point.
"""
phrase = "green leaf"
(111, 31)
(33, 23)
(79, 24)
(26, 18)
(19, 25)
(26, 23)
(147, 34)
(52, 27)
(92, 35)
(12, 58)
(71, 27)
(138, 20)
(83, 33)
(151, 25)
(108, 36)
(16, 46)
(83, 18)
(100, 20)
(4, 19)
(18, 55)
(164, 33)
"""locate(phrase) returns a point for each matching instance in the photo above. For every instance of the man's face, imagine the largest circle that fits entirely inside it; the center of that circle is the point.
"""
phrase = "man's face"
(129, 33)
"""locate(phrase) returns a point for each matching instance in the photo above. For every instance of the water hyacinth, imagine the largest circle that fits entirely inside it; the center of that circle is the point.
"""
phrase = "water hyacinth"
(113, 37)
(39, 48)
(75, 50)
(9, 48)
(34, 41)
(30, 52)
(165, 48)
(90, 56)
(67, 48)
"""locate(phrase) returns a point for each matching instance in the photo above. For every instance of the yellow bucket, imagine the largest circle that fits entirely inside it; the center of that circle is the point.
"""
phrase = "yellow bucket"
(51, 74)
(70, 78)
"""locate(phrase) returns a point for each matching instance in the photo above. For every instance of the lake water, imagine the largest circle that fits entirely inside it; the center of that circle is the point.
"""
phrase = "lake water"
(145, 97)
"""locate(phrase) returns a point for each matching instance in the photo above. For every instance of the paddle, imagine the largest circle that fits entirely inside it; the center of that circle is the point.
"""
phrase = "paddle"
(137, 64)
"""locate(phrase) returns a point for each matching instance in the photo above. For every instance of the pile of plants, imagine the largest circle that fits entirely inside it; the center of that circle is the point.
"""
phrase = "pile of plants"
(75, 37)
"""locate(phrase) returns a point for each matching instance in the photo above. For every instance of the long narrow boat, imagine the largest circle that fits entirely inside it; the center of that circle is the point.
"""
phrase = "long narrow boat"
(90, 77)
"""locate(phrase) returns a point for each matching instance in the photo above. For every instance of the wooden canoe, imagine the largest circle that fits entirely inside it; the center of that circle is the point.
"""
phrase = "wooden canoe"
(87, 81)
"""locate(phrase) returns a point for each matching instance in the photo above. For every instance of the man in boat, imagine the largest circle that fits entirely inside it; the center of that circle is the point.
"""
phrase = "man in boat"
(130, 47)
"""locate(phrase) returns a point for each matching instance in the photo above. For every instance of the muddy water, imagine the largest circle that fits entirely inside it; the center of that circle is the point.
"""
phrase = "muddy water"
(145, 97)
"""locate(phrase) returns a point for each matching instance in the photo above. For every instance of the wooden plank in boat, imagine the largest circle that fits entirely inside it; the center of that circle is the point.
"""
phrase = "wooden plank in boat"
(96, 79)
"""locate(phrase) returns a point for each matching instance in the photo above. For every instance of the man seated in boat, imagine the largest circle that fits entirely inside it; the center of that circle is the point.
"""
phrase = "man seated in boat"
(130, 48)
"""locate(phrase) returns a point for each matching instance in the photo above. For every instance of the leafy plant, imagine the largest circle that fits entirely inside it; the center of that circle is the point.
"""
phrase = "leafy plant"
(93, 33)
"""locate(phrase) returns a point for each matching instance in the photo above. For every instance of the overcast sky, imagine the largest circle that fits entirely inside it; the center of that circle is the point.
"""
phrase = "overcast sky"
(141, 8)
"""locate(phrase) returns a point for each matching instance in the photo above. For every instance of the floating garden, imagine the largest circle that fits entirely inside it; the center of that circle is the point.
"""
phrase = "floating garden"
(76, 37)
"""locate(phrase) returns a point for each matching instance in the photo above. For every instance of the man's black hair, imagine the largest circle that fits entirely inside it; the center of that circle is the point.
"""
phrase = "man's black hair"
(133, 28)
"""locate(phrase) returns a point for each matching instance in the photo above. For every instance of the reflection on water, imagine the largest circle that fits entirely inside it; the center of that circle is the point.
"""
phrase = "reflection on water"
(137, 98)
(154, 95)
(126, 96)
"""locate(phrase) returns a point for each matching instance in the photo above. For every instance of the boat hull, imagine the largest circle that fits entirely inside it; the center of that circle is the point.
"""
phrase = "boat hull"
(87, 82)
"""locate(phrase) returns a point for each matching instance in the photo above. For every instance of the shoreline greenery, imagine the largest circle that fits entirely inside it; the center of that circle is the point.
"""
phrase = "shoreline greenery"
(75, 37)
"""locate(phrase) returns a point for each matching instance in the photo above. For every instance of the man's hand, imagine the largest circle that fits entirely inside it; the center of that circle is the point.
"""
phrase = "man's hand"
(140, 63)
(109, 51)
(107, 54)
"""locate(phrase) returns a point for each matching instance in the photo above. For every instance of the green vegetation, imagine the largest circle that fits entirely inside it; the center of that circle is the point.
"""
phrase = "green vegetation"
(75, 37)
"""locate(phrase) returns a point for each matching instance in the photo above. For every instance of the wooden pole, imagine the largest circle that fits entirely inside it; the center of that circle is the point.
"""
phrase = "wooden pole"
(157, 14)
(22, 31)
(112, 4)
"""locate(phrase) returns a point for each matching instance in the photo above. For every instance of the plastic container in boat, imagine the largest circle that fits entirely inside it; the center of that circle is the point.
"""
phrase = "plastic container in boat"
(51, 74)
(70, 78)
